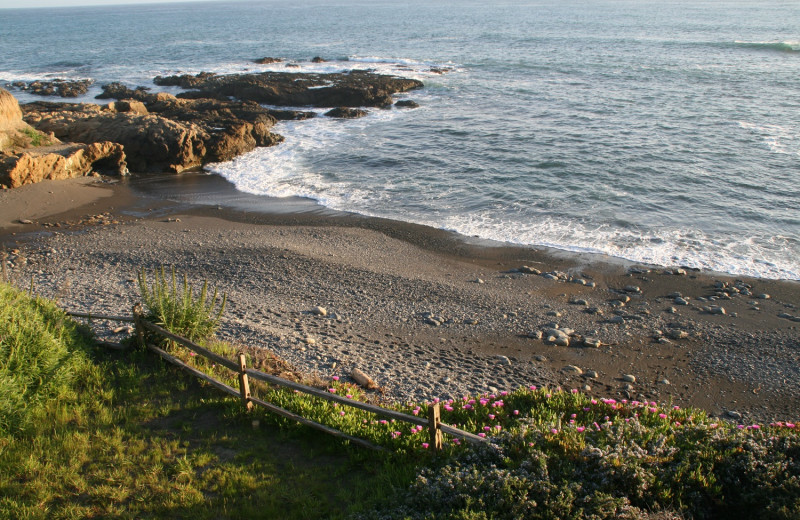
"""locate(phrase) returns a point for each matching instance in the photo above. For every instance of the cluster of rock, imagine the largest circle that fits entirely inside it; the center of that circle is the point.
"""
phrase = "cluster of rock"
(219, 118)
(67, 88)
(27, 155)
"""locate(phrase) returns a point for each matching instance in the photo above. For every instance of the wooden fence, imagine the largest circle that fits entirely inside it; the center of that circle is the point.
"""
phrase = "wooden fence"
(433, 422)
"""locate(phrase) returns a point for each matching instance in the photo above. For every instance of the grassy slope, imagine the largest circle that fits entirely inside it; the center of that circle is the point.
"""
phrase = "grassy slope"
(124, 436)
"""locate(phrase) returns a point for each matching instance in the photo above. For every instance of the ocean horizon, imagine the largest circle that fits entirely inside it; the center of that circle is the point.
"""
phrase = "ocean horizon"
(664, 133)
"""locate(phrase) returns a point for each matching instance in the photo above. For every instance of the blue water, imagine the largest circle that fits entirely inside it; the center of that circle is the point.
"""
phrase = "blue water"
(661, 132)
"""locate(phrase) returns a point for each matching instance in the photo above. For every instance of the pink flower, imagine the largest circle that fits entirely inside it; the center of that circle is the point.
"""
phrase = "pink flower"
(548, 395)
(713, 425)
(553, 430)
(533, 388)
(332, 390)
(662, 415)
(487, 428)
(192, 354)
(676, 407)
(574, 390)
(425, 445)
(395, 435)
(384, 421)
(415, 411)
(481, 434)
(593, 401)
(516, 412)
(740, 426)
(467, 407)
(498, 427)
(341, 413)
(349, 396)
(789, 425)
(580, 429)
(491, 416)
(457, 442)
(448, 408)
(335, 378)
(596, 425)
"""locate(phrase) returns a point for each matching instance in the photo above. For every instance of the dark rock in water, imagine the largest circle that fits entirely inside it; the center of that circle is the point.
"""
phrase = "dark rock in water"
(346, 113)
(353, 89)
(407, 103)
(57, 87)
(317, 59)
(267, 61)
(119, 91)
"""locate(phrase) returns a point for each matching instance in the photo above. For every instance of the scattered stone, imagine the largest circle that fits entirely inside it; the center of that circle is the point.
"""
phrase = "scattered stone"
(629, 378)
(503, 360)
(433, 322)
(572, 370)
(528, 270)
(628, 387)
(591, 374)
(536, 334)
(618, 320)
(471, 321)
(319, 311)
(633, 289)
(764, 296)
(617, 303)
(309, 340)
(25, 221)
(592, 343)
(346, 113)
(665, 381)
(678, 334)
(540, 358)
(734, 415)
(267, 61)
(681, 301)
(586, 388)
(595, 310)
(479, 281)
(716, 309)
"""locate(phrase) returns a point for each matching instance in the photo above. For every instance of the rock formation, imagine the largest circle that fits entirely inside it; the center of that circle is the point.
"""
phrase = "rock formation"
(346, 113)
(356, 88)
(27, 155)
(57, 87)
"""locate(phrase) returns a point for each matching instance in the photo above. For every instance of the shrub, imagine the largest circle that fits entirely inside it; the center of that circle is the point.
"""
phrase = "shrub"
(176, 308)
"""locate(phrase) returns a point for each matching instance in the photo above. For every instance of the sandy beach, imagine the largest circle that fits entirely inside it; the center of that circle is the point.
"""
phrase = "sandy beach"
(425, 312)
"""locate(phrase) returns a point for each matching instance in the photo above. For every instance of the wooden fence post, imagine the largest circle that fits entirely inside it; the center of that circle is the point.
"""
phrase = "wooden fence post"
(244, 384)
(137, 324)
(434, 420)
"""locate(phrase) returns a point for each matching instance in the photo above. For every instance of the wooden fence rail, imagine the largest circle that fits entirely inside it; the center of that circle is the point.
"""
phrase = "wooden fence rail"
(432, 422)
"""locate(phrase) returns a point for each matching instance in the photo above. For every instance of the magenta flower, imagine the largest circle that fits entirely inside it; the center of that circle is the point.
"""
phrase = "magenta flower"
(425, 445)
(503, 393)
(553, 430)
(335, 378)
(533, 388)
(516, 412)
(491, 416)
(481, 434)
(574, 390)
(332, 390)
(487, 428)
(384, 421)
(349, 396)
(498, 427)
(662, 415)
(580, 429)
(467, 407)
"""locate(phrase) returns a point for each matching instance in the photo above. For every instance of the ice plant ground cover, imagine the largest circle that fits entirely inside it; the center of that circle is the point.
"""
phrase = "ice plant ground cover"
(127, 436)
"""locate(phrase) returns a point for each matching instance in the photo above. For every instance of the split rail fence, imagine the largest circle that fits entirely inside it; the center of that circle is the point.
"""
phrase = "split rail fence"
(433, 422)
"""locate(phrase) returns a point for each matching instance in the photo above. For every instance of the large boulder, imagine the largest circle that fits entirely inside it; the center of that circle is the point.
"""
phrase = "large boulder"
(14, 132)
(61, 161)
(352, 89)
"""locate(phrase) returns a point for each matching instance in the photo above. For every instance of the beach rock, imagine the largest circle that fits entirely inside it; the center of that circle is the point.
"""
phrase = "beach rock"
(763, 296)
(528, 270)
(681, 301)
(317, 59)
(319, 311)
(503, 360)
(267, 61)
(629, 378)
(678, 334)
(16, 134)
(591, 374)
(715, 309)
(406, 103)
(572, 370)
(356, 88)
(535, 334)
(633, 289)
(592, 343)
(346, 113)
(62, 161)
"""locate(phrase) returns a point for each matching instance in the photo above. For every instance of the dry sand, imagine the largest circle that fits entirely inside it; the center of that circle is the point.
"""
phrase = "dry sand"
(425, 312)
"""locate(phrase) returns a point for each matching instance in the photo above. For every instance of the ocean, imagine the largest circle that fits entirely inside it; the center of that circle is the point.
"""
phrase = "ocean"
(662, 132)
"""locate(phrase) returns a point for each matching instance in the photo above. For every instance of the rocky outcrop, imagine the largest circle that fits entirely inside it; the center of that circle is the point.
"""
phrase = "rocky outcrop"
(357, 88)
(267, 61)
(61, 161)
(346, 113)
(152, 143)
(67, 88)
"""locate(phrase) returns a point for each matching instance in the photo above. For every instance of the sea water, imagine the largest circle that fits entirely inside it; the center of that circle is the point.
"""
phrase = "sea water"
(663, 132)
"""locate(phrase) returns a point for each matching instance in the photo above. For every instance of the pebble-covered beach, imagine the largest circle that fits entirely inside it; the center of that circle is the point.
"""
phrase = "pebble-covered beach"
(426, 313)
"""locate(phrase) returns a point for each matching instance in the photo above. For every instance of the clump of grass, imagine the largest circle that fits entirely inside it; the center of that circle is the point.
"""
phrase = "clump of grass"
(37, 138)
(175, 306)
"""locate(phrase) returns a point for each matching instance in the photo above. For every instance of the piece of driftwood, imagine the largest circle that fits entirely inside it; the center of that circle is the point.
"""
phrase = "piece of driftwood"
(363, 379)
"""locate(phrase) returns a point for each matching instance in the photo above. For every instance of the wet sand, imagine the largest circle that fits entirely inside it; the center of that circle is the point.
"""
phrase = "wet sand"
(425, 312)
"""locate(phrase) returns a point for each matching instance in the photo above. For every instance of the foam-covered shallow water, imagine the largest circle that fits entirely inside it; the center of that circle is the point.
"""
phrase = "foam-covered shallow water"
(664, 133)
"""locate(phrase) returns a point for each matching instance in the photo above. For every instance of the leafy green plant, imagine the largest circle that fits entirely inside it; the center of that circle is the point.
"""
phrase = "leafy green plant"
(175, 306)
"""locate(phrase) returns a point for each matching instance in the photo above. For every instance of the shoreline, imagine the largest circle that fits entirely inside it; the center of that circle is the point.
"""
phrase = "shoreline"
(385, 283)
